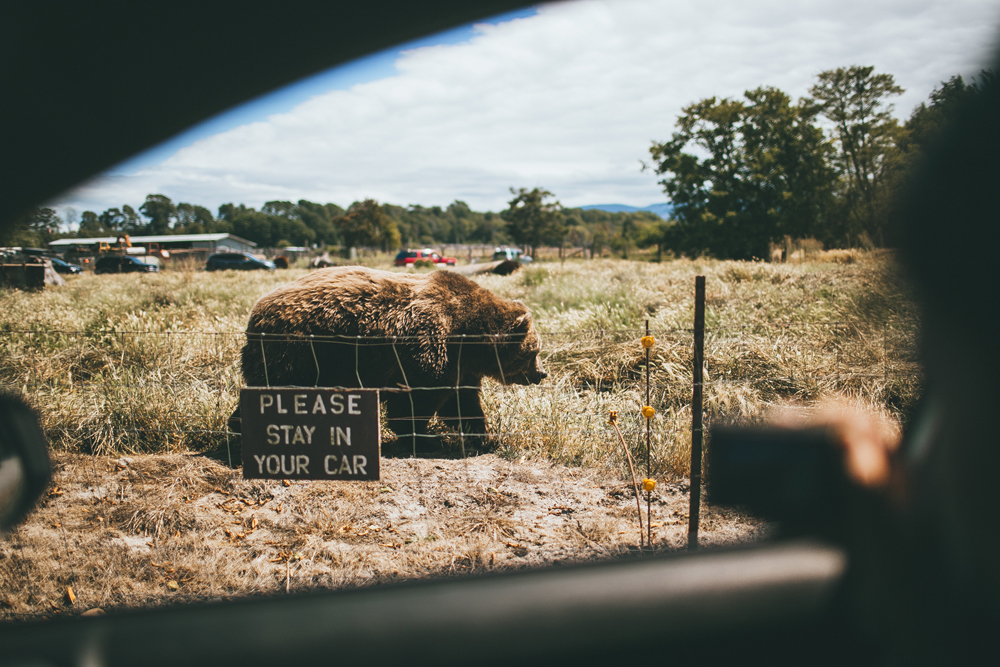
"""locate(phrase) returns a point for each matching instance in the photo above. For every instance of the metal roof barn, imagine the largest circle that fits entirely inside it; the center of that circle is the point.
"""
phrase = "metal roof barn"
(219, 242)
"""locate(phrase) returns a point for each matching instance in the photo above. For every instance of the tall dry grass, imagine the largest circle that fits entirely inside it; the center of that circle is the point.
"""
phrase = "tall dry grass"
(120, 364)
(777, 335)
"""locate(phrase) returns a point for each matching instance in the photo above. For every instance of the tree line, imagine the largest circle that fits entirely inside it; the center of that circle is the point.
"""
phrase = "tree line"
(530, 221)
(745, 173)
(742, 174)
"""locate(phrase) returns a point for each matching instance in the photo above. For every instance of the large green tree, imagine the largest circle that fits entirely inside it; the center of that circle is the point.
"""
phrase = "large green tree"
(532, 221)
(90, 225)
(248, 223)
(456, 223)
(270, 227)
(663, 234)
(319, 218)
(744, 173)
(367, 224)
(112, 221)
(133, 223)
(856, 101)
(489, 228)
(194, 219)
(162, 213)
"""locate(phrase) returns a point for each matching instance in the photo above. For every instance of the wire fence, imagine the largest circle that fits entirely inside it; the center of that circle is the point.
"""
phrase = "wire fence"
(109, 391)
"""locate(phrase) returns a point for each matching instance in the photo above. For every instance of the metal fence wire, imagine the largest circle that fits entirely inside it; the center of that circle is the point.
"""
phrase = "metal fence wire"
(111, 391)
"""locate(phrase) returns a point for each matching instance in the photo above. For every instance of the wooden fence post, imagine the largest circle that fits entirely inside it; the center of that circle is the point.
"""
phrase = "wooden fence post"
(696, 411)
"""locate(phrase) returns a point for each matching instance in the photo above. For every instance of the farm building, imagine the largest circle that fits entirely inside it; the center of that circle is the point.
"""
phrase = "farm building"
(210, 243)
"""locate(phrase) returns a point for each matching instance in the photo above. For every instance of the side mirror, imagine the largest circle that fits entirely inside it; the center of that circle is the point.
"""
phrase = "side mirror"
(24, 460)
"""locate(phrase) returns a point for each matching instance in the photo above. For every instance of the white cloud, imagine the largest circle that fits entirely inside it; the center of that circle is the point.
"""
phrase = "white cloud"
(568, 99)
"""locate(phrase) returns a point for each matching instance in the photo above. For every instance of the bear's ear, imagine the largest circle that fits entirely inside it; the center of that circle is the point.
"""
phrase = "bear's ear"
(522, 322)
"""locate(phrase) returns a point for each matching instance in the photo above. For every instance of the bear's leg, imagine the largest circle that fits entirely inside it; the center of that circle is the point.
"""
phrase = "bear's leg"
(464, 404)
(407, 419)
(235, 422)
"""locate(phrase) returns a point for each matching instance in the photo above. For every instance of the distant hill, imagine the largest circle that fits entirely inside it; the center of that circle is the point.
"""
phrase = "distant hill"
(663, 210)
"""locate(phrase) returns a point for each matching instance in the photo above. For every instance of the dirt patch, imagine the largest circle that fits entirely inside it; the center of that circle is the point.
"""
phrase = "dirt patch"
(151, 530)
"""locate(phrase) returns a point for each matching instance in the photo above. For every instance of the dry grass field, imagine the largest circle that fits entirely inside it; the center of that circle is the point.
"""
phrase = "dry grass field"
(134, 377)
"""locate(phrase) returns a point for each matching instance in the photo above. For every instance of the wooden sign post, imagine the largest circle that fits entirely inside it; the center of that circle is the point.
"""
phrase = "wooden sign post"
(310, 433)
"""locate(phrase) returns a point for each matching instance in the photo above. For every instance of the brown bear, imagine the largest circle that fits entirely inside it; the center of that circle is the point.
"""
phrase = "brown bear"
(426, 340)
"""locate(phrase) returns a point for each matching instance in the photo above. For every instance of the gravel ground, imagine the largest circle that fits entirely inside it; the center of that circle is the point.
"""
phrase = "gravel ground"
(151, 530)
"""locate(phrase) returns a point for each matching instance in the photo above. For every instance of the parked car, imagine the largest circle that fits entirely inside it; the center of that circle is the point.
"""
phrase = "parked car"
(237, 261)
(65, 267)
(409, 257)
(123, 264)
(510, 254)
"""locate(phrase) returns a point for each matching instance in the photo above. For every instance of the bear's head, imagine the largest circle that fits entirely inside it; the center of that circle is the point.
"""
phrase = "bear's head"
(518, 353)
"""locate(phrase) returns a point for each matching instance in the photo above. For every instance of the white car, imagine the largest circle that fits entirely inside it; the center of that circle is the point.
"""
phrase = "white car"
(512, 254)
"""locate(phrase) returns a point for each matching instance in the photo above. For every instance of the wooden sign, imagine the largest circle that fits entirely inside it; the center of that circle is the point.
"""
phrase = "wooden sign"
(310, 433)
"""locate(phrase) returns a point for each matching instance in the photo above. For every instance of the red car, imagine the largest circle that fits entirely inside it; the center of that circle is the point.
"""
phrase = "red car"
(409, 257)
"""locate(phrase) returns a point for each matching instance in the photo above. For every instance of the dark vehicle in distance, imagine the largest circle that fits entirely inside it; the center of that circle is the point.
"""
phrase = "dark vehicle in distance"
(65, 267)
(123, 264)
(410, 257)
(237, 261)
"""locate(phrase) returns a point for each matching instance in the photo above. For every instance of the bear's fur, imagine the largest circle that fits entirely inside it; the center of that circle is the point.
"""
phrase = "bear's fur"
(358, 327)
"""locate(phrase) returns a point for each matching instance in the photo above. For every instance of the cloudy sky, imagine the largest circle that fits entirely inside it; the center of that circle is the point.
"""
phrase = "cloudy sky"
(565, 96)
